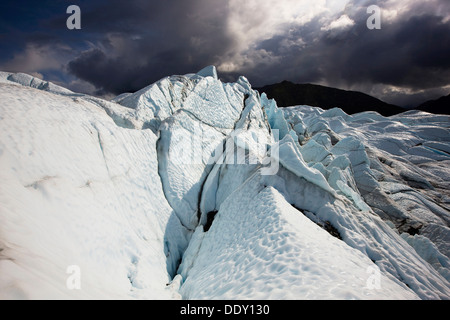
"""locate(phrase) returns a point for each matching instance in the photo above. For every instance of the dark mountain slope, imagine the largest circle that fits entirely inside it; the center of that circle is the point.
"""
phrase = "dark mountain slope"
(440, 106)
(289, 94)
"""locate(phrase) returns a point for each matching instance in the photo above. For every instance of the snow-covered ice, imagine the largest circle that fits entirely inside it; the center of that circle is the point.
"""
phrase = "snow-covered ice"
(192, 188)
(78, 190)
(261, 247)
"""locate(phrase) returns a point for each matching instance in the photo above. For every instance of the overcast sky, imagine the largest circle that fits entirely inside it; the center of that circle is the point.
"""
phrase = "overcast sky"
(126, 45)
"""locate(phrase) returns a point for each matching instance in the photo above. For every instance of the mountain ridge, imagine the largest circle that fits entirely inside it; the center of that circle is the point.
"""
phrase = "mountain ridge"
(440, 105)
(287, 94)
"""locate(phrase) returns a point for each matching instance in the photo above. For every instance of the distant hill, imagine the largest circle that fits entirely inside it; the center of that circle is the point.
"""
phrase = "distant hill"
(441, 105)
(289, 94)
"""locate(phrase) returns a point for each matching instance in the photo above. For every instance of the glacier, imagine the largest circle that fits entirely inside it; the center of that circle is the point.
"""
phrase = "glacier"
(192, 188)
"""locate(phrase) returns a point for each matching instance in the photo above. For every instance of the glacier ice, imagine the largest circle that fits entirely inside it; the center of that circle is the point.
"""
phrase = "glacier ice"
(171, 192)
(272, 247)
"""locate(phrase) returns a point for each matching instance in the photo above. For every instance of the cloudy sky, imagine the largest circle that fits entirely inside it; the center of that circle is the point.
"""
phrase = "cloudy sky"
(126, 45)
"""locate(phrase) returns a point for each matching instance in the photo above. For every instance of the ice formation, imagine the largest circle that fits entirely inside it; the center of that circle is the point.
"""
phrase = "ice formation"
(198, 189)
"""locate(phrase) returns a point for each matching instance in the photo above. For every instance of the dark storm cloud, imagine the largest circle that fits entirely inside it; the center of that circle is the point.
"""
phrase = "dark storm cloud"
(299, 61)
(410, 52)
(126, 45)
(117, 75)
(145, 41)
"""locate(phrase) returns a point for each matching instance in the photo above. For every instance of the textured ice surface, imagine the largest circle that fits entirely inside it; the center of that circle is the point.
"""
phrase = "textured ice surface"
(273, 247)
(398, 165)
(78, 190)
